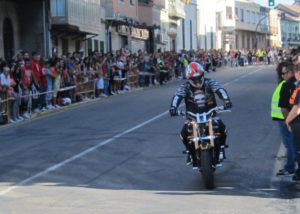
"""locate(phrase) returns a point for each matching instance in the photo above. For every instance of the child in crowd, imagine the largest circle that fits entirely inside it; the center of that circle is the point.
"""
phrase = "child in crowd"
(50, 76)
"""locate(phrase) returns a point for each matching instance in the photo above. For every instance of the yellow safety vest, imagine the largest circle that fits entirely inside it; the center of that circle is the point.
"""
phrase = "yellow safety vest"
(275, 109)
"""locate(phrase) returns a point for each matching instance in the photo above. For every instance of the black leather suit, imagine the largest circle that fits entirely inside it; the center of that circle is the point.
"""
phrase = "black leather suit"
(199, 100)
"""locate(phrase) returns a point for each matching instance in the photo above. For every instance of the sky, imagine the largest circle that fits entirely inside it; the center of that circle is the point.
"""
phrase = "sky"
(265, 2)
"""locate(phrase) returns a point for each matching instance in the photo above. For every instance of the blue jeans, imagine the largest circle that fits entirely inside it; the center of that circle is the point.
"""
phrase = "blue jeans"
(288, 142)
(14, 106)
(106, 86)
(296, 139)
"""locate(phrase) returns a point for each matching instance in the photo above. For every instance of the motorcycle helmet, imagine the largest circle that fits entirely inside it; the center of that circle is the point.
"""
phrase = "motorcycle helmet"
(195, 74)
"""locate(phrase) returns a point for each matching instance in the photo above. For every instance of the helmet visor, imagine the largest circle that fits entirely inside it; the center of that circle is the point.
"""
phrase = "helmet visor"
(197, 81)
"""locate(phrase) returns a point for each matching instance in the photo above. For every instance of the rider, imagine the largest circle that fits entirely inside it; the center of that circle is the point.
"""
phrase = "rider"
(199, 96)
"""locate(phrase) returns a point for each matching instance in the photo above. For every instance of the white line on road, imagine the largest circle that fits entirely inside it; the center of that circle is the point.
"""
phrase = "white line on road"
(241, 77)
(59, 165)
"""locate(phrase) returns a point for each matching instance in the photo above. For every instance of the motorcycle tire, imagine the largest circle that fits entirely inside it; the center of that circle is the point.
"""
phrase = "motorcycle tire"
(207, 169)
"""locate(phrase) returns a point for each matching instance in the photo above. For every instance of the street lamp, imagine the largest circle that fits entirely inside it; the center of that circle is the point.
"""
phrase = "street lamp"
(257, 27)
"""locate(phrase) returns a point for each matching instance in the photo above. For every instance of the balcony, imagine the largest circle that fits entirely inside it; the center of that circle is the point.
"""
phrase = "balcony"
(76, 16)
(160, 3)
(148, 3)
(176, 9)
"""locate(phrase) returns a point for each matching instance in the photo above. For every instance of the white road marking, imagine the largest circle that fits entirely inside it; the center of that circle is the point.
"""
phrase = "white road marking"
(241, 77)
(79, 155)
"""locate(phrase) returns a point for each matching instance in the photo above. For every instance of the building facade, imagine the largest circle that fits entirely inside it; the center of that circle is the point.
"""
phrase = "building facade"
(225, 25)
(176, 13)
(275, 28)
(124, 29)
(23, 26)
(73, 23)
(206, 24)
(252, 25)
(187, 28)
(290, 29)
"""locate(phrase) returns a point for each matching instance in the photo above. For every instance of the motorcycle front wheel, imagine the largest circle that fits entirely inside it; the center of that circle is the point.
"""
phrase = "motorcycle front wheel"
(207, 169)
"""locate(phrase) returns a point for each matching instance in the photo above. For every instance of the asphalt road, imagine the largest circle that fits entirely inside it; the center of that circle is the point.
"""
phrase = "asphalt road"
(123, 155)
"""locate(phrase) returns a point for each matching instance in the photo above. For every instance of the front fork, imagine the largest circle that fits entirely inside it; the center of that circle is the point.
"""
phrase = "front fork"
(208, 143)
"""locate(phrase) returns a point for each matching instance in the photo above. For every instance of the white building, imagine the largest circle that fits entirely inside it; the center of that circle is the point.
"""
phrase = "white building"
(252, 25)
(225, 24)
(242, 24)
(187, 28)
(206, 26)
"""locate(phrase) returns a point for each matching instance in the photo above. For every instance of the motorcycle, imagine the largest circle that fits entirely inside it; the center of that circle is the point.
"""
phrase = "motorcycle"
(203, 135)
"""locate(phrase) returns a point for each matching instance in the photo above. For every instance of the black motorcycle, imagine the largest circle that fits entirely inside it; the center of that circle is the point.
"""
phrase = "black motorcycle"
(204, 137)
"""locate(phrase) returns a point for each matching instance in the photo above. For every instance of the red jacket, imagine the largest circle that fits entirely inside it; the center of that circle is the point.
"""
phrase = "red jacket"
(38, 74)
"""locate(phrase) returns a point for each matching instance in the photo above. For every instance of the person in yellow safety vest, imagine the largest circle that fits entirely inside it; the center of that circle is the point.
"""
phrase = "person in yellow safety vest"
(277, 115)
(260, 55)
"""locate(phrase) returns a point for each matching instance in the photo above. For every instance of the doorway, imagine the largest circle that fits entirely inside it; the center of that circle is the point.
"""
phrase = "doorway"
(8, 39)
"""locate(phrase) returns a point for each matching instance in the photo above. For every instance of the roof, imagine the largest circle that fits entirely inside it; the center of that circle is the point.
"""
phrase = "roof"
(293, 9)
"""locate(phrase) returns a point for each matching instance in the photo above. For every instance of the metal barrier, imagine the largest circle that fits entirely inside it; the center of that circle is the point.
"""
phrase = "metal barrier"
(133, 79)
(4, 108)
(87, 88)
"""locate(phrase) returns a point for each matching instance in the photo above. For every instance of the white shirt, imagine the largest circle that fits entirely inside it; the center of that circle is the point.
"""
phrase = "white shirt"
(5, 80)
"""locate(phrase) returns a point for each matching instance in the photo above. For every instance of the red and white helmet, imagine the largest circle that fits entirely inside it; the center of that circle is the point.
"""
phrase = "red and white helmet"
(194, 72)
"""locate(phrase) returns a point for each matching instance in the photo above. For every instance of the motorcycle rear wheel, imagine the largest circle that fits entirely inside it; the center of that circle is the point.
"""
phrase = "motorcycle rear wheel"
(207, 169)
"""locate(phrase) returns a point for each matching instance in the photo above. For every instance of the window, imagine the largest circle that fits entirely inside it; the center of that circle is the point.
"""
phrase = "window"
(65, 46)
(96, 45)
(58, 7)
(253, 18)
(228, 12)
(102, 46)
(243, 41)
(242, 15)
(248, 42)
(77, 45)
(247, 19)
(132, 2)
(90, 48)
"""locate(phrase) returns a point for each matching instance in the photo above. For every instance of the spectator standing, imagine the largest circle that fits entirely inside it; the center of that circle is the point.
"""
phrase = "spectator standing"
(287, 139)
(16, 80)
(49, 77)
(39, 82)
(56, 71)
(27, 83)
(293, 120)
(7, 84)
(249, 57)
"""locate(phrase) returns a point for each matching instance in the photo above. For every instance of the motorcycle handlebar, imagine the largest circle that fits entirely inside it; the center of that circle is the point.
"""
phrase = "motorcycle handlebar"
(217, 109)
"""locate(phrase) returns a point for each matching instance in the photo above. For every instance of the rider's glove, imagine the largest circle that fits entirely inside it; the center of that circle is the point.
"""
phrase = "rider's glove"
(227, 104)
(173, 111)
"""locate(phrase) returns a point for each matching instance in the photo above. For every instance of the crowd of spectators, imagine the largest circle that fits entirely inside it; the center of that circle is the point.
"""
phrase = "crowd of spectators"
(33, 84)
